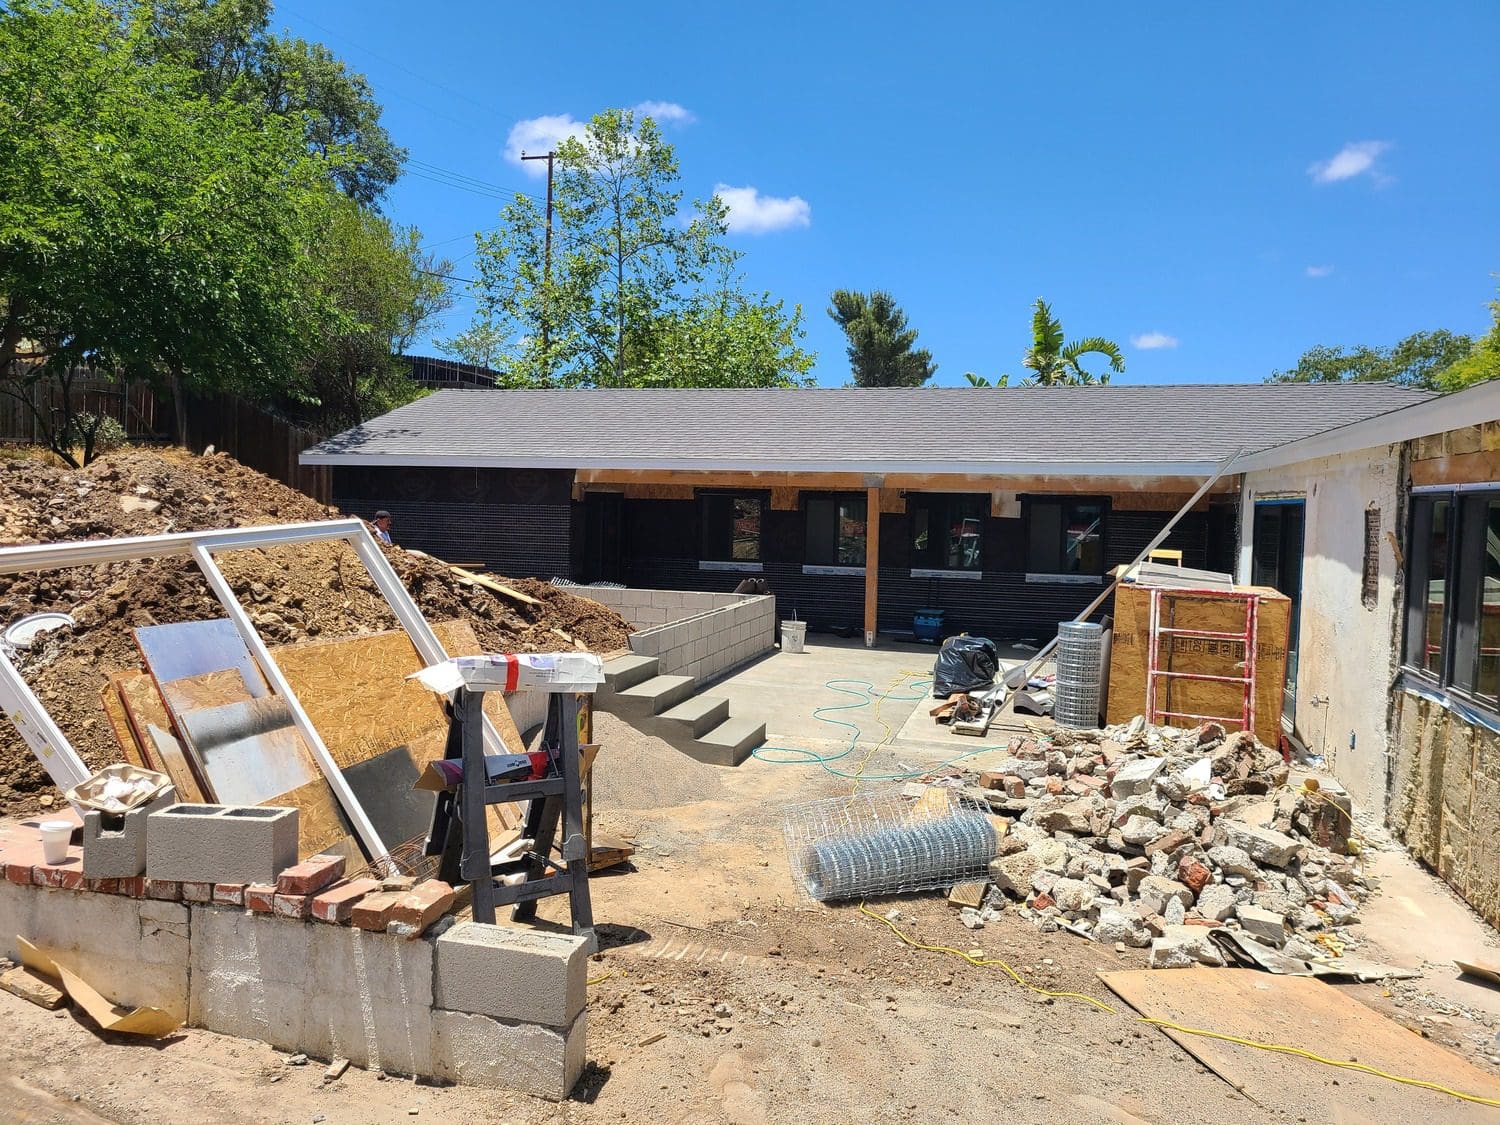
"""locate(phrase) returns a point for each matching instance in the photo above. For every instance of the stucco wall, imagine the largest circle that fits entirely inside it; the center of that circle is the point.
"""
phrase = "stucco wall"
(1347, 649)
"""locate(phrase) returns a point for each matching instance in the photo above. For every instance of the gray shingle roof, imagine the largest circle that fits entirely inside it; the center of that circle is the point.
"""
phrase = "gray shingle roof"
(1117, 428)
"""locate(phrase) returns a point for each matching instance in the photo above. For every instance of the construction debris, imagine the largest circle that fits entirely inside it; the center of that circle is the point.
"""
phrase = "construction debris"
(293, 593)
(1143, 835)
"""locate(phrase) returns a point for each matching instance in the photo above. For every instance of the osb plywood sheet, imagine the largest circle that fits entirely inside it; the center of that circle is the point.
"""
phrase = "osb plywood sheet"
(1309, 1014)
(1131, 651)
(114, 711)
(321, 824)
(190, 648)
(174, 763)
(209, 689)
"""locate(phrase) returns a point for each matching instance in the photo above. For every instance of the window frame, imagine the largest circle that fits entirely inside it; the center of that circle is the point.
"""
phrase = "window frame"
(705, 561)
(1029, 505)
(1466, 552)
(931, 560)
(832, 566)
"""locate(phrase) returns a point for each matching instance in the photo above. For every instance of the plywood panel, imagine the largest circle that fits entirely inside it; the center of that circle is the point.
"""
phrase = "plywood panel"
(168, 751)
(114, 711)
(251, 752)
(1130, 652)
(321, 824)
(211, 689)
(1316, 1017)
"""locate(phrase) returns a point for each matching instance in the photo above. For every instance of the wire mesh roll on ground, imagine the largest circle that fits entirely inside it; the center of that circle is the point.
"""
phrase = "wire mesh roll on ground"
(893, 860)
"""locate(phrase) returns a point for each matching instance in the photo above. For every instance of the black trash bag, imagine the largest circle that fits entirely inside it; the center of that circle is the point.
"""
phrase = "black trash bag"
(964, 664)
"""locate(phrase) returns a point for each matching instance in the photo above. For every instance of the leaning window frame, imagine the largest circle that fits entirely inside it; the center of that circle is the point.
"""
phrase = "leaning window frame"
(52, 747)
(1443, 683)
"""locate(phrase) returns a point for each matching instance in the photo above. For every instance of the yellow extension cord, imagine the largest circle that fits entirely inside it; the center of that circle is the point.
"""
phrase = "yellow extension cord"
(1279, 1048)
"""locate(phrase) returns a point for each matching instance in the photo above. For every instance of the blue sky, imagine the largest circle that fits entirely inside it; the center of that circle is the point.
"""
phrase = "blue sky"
(1229, 184)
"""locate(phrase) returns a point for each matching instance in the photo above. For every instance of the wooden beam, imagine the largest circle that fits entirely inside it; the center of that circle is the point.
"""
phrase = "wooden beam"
(1479, 467)
(872, 563)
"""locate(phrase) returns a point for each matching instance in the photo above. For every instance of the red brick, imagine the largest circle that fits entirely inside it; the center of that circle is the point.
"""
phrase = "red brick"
(1089, 781)
(229, 894)
(259, 896)
(1193, 875)
(1041, 900)
(1190, 921)
(989, 779)
(420, 908)
(19, 858)
(1014, 786)
(133, 887)
(311, 875)
(68, 875)
(337, 903)
(197, 892)
(1055, 786)
(373, 912)
(102, 886)
(164, 889)
(1168, 842)
(292, 906)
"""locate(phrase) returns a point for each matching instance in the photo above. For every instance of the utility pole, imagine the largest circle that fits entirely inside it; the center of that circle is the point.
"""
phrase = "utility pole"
(546, 259)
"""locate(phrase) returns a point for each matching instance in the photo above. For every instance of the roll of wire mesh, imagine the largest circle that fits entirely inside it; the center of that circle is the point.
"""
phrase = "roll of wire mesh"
(894, 860)
(1080, 653)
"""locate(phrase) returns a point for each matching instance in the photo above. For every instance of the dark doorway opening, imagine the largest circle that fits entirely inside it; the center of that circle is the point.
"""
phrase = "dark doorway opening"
(1276, 561)
(603, 546)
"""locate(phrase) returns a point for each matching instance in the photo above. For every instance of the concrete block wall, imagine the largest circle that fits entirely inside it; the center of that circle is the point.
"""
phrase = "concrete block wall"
(712, 641)
(647, 609)
(492, 1006)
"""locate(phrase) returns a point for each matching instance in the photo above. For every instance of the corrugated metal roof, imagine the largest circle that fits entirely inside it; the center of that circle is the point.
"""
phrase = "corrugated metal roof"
(1143, 430)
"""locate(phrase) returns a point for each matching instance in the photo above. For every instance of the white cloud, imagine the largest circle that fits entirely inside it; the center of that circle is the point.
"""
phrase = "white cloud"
(1147, 341)
(1356, 158)
(539, 135)
(542, 134)
(665, 113)
(754, 213)
(1318, 271)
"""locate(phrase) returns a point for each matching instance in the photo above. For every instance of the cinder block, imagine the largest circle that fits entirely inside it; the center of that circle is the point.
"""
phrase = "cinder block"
(133, 951)
(114, 847)
(511, 974)
(221, 843)
(501, 1054)
(251, 976)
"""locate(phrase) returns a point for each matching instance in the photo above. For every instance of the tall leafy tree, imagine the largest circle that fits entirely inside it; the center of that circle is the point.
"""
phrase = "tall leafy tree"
(640, 288)
(882, 348)
(1419, 360)
(143, 225)
(1481, 364)
(229, 47)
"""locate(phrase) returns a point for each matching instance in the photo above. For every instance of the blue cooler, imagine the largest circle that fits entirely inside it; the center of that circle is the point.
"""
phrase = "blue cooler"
(927, 624)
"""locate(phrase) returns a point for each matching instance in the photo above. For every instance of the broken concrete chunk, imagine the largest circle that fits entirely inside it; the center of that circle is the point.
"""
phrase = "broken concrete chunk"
(1075, 817)
(1155, 891)
(1263, 925)
(1022, 768)
(1140, 831)
(1215, 901)
(1122, 924)
(1073, 895)
(1233, 861)
(1181, 946)
(1013, 873)
(1050, 854)
(1135, 778)
(1263, 844)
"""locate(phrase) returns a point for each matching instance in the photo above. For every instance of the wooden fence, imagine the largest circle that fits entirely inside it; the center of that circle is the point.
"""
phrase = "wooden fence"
(239, 428)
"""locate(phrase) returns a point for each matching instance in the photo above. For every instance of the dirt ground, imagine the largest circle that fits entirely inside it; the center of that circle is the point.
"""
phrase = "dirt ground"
(722, 996)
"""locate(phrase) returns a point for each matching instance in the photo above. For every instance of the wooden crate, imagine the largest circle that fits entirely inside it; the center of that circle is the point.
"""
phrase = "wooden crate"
(1131, 651)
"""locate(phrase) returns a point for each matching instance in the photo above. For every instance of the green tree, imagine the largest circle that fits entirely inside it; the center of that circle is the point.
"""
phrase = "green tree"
(1418, 360)
(1481, 364)
(882, 351)
(1055, 363)
(228, 45)
(143, 226)
(634, 295)
(381, 292)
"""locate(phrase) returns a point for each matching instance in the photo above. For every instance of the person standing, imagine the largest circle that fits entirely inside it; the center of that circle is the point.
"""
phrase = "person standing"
(382, 527)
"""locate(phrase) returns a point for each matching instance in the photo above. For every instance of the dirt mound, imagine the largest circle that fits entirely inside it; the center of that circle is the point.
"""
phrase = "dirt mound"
(292, 593)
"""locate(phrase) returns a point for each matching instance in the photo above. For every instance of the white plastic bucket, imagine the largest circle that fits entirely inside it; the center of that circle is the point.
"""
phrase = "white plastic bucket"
(55, 837)
(793, 635)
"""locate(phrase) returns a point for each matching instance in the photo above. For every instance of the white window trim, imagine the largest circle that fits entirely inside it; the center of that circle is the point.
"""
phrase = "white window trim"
(746, 567)
(930, 572)
(852, 571)
(1068, 579)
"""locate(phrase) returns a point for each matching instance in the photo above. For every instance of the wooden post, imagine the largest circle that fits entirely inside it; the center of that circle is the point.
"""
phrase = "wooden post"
(872, 563)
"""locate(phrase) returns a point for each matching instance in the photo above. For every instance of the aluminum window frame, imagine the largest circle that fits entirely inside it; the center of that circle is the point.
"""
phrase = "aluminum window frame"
(52, 747)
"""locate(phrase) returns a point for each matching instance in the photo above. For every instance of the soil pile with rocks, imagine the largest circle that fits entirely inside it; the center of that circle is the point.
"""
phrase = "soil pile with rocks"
(292, 593)
(1139, 835)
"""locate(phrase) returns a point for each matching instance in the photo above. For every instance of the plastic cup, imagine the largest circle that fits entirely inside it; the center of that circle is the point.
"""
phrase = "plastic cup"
(55, 837)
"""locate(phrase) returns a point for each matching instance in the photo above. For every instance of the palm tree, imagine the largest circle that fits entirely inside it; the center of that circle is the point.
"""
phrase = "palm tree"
(1054, 363)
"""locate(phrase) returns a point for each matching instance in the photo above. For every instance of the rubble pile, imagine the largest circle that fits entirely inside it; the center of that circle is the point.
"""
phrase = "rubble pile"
(1129, 835)
(292, 593)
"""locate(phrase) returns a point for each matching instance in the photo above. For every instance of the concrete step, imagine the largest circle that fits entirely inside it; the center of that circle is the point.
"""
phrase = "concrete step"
(626, 671)
(699, 713)
(729, 743)
(653, 696)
